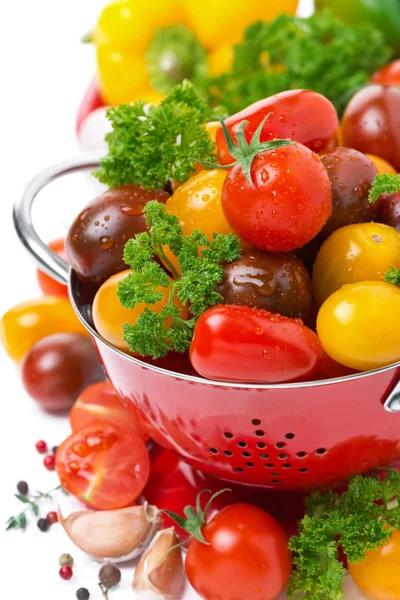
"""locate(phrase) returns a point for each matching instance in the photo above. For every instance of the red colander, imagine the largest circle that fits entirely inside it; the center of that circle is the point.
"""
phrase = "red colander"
(290, 437)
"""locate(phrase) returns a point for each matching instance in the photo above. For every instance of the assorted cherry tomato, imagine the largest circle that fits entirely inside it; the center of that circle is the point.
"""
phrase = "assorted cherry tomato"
(355, 253)
(47, 284)
(28, 322)
(300, 115)
(389, 75)
(104, 466)
(277, 349)
(101, 404)
(388, 210)
(287, 204)
(246, 556)
(358, 325)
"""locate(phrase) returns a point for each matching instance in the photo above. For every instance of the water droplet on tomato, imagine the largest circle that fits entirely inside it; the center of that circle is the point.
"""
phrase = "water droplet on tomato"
(266, 354)
(106, 242)
(259, 331)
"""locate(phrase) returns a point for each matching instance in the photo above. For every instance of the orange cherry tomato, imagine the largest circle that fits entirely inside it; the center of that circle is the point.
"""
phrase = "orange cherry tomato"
(48, 285)
(379, 574)
(104, 466)
(101, 404)
(382, 165)
(109, 315)
(30, 321)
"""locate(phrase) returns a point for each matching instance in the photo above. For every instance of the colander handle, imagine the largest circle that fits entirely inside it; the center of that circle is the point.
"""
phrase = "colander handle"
(392, 402)
(46, 259)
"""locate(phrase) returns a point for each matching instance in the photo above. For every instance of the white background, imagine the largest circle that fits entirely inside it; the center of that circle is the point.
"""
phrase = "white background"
(44, 72)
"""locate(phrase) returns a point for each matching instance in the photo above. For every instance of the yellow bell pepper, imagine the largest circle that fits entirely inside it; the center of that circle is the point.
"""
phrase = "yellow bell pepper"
(144, 48)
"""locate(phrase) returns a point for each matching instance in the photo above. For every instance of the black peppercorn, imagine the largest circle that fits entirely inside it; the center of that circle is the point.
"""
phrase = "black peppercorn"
(43, 524)
(54, 450)
(23, 488)
(83, 594)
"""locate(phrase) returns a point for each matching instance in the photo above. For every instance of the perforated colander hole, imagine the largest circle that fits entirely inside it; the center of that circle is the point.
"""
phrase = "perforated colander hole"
(242, 444)
(283, 456)
(321, 451)
(259, 432)
(290, 436)
(287, 466)
(256, 422)
(303, 470)
(250, 464)
(275, 474)
(264, 456)
(280, 445)
(270, 465)
(228, 453)
(276, 481)
(239, 470)
(261, 445)
(301, 454)
(213, 450)
(246, 454)
(228, 435)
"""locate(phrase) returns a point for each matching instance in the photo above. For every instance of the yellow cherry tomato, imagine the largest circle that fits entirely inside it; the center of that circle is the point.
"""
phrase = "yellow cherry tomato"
(359, 327)
(382, 165)
(379, 574)
(25, 324)
(220, 60)
(355, 253)
(197, 204)
(219, 23)
(109, 315)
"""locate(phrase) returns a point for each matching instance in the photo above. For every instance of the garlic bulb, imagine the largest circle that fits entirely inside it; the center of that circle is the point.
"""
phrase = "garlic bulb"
(117, 535)
(158, 573)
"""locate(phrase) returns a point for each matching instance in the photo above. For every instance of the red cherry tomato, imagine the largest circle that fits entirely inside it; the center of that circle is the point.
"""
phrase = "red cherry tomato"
(48, 285)
(58, 367)
(301, 115)
(237, 343)
(330, 369)
(389, 75)
(104, 466)
(100, 403)
(371, 123)
(247, 556)
(287, 205)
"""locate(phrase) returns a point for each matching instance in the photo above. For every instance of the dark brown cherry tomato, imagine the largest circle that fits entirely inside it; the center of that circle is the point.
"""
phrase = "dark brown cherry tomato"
(96, 239)
(277, 282)
(308, 253)
(237, 343)
(58, 368)
(389, 75)
(300, 115)
(351, 174)
(371, 123)
(388, 210)
(48, 285)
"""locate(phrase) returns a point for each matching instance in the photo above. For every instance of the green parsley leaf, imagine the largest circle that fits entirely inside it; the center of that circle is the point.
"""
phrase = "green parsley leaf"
(392, 276)
(156, 333)
(151, 144)
(384, 184)
(319, 53)
(361, 519)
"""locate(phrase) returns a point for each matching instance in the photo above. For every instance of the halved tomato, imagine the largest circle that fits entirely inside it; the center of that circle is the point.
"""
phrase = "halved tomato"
(104, 466)
(101, 403)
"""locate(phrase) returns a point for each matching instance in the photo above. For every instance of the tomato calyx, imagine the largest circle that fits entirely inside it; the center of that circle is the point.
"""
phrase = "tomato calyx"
(195, 518)
(245, 152)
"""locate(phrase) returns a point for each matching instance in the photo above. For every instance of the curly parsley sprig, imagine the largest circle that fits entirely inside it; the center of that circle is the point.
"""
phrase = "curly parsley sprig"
(361, 519)
(384, 184)
(156, 333)
(151, 144)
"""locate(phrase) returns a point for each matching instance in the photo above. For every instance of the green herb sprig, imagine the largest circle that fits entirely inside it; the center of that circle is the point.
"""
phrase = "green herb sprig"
(384, 184)
(361, 519)
(194, 285)
(31, 502)
(151, 144)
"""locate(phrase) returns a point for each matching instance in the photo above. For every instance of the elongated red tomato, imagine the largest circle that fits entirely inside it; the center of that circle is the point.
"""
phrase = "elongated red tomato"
(287, 204)
(237, 343)
(246, 556)
(48, 285)
(104, 466)
(300, 115)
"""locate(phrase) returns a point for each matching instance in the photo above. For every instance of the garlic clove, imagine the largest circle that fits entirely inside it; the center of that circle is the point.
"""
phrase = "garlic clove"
(157, 573)
(117, 535)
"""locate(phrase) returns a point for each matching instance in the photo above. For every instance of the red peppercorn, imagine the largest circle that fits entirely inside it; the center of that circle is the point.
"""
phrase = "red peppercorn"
(49, 462)
(41, 446)
(65, 572)
(52, 517)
